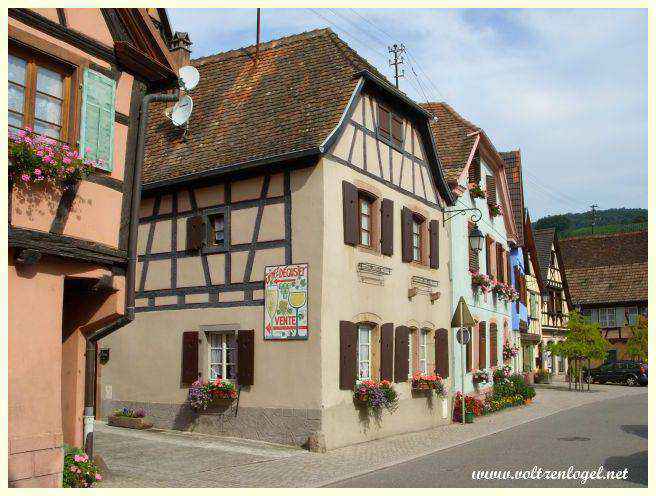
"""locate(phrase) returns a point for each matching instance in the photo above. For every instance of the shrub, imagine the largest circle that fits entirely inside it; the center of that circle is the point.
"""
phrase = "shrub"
(79, 470)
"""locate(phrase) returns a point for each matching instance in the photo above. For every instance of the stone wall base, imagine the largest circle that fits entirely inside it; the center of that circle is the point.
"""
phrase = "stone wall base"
(38, 468)
(275, 425)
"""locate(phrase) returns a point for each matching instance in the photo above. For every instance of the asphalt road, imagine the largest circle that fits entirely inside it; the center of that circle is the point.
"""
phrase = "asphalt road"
(611, 433)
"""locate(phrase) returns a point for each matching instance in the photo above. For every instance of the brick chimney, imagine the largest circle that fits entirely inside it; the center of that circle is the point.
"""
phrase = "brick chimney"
(181, 48)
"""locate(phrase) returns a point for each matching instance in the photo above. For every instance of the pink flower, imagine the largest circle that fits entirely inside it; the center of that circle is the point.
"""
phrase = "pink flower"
(81, 458)
(66, 160)
(87, 149)
(37, 172)
(70, 169)
(22, 133)
(25, 177)
(39, 153)
(98, 477)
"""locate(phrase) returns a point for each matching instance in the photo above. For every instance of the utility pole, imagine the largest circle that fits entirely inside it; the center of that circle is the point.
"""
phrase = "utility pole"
(594, 206)
(397, 52)
(257, 37)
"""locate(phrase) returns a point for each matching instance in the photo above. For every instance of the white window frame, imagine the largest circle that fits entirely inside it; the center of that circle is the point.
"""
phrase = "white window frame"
(607, 317)
(223, 346)
(416, 239)
(423, 351)
(361, 345)
(410, 353)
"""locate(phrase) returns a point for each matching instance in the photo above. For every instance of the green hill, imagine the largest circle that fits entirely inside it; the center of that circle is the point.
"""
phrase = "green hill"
(608, 221)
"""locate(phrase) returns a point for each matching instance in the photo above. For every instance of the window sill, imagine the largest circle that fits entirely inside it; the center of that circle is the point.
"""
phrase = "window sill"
(368, 249)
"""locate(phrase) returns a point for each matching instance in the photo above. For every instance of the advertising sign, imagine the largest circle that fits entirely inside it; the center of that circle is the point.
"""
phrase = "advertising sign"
(285, 302)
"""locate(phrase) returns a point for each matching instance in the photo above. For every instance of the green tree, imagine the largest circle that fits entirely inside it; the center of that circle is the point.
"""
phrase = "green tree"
(583, 342)
(636, 346)
(559, 222)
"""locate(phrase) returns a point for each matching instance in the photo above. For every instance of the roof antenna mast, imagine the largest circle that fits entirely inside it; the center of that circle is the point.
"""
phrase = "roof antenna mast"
(397, 52)
(257, 42)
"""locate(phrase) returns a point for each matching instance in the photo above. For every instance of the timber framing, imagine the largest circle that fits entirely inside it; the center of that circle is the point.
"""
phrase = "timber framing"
(249, 282)
(66, 247)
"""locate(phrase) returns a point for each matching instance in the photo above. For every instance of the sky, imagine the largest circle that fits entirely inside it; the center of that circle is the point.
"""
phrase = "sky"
(566, 87)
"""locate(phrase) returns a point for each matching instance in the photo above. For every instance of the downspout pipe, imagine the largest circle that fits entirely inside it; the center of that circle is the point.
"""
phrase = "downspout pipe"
(130, 276)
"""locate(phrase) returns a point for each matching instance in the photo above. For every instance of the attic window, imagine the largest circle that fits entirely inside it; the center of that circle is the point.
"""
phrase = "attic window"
(390, 126)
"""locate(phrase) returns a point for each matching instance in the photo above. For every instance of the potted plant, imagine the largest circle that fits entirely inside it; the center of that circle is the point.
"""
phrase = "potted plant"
(510, 351)
(474, 407)
(431, 383)
(203, 393)
(129, 418)
(475, 191)
(495, 209)
(480, 377)
(38, 159)
(373, 396)
(79, 470)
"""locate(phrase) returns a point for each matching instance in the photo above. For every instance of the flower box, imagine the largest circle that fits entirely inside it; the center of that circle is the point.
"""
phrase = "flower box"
(373, 396)
(129, 422)
(220, 392)
(475, 191)
(427, 383)
(495, 210)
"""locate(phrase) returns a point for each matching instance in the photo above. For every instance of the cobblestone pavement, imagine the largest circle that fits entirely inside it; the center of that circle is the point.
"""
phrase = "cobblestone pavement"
(176, 459)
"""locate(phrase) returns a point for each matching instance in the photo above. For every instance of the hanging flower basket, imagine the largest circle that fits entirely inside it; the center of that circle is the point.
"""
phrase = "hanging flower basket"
(510, 351)
(475, 191)
(34, 159)
(373, 396)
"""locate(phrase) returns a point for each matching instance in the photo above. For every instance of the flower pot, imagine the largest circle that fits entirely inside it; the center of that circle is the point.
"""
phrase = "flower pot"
(129, 422)
(469, 417)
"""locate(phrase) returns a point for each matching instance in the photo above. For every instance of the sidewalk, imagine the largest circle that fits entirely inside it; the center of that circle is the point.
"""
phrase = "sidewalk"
(177, 459)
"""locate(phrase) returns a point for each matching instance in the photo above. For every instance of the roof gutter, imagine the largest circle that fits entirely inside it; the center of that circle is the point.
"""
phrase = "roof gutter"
(130, 276)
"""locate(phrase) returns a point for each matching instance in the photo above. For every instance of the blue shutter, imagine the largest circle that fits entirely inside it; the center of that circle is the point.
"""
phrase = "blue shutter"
(97, 129)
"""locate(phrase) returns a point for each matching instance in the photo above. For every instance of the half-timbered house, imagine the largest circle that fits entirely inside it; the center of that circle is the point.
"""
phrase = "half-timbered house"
(476, 175)
(300, 158)
(555, 297)
(77, 76)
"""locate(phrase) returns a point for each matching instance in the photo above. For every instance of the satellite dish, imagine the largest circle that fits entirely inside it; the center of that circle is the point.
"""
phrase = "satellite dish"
(182, 110)
(189, 76)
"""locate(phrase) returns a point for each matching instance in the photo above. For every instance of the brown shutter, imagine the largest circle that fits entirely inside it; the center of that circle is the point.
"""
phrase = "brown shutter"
(434, 233)
(245, 357)
(491, 184)
(474, 266)
(406, 234)
(387, 352)
(401, 354)
(442, 353)
(350, 210)
(508, 270)
(384, 121)
(493, 345)
(475, 169)
(195, 232)
(469, 357)
(348, 354)
(189, 357)
(387, 227)
(488, 255)
(397, 129)
(482, 359)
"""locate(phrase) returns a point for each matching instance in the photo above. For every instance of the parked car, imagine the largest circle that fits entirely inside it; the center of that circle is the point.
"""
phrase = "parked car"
(627, 372)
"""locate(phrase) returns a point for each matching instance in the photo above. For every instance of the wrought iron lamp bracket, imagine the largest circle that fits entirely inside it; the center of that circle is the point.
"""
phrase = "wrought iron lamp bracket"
(475, 216)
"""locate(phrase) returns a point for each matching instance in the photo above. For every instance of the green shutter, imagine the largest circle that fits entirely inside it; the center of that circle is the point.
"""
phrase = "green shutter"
(97, 133)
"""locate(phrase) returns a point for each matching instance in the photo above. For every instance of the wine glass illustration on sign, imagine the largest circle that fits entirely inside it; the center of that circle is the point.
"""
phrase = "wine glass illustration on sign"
(272, 304)
(297, 297)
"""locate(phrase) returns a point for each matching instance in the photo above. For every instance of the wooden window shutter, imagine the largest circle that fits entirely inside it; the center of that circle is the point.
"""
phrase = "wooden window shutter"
(245, 357)
(508, 270)
(469, 355)
(387, 352)
(97, 119)
(195, 232)
(189, 357)
(475, 169)
(474, 266)
(488, 255)
(384, 121)
(387, 227)
(350, 209)
(493, 345)
(406, 234)
(482, 351)
(397, 130)
(348, 354)
(491, 185)
(434, 233)
(442, 353)
(401, 354)
(500, 263)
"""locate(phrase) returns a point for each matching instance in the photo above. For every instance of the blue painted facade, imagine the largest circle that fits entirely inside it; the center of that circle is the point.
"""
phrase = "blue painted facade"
(519, 310)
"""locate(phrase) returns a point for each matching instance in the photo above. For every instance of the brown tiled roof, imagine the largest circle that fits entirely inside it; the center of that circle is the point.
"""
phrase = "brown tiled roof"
(453, 138)
(513, 165)
(608, 268)
(288, 102)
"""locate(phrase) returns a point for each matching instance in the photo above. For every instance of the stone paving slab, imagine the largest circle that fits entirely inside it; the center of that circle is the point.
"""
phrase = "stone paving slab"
(165, 459)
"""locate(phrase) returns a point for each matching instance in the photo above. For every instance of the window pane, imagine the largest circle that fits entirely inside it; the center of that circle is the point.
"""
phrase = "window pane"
(364, 206)
(416, 255)
(215, 355)
(364, 238)
(231, 372)
(15, 120)
(16, 98)
(415, 227)
(47, 109)
(49, 82)
(215, 371)
(47, 129)
(17, 69)
(364, 220)
(364, 370)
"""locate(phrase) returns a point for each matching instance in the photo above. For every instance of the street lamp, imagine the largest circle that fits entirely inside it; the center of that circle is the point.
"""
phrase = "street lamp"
(476, 239)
